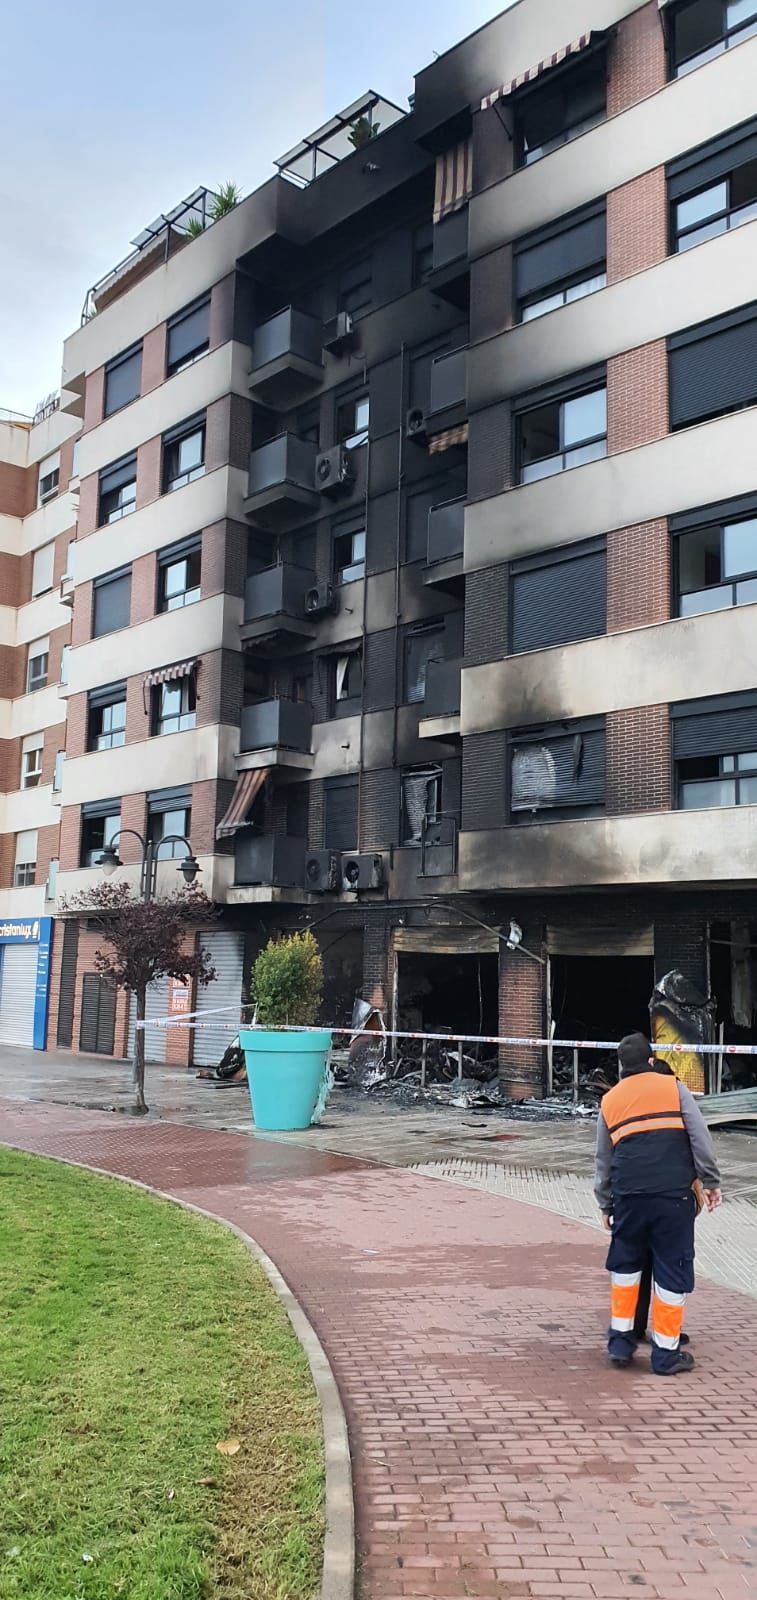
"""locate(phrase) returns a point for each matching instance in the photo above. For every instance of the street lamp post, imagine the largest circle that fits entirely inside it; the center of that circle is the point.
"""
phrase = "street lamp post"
(110, 860)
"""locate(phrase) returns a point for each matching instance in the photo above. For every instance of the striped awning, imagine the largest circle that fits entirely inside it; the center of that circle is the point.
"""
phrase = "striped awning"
(532, 73)
(450, 437)
(454, 179)
(179, 669)
(249, 784)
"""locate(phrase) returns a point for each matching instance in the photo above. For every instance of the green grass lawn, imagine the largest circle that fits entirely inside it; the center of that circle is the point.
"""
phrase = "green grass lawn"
(133, 1338)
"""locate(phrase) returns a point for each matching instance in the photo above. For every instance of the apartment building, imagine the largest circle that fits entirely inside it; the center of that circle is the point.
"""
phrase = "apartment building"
(417, 545)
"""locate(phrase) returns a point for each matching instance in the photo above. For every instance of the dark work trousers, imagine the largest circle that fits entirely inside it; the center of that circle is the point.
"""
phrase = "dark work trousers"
(641, 1319)
(660, 1226)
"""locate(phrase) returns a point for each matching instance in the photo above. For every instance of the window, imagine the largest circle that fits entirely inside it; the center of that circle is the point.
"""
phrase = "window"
(65, 661)
(111, 602)
(51, 886)
(421, 801)
(422, 644)
(560, 263)
(31, 760)
(703, 29)
(184, 455)
(355, 291)
(175, 706)
(37, 662)
(558, 596)
(716, 567)
(715, 751)
(118, 491)
(25, 869)
(100, 823)
(562, 433)
(188, 336)
(42, 570)
(347, 683)
(340, 813)
(566, 106)
(179, 576)
(49, 478)
(713, 188)
(557, 769)
(169, 816)
(106, 717)
(349, 555)
(352, 418)
(713, 367)
(58, 771)
(123, 380)
(70, 559)
(423, 254)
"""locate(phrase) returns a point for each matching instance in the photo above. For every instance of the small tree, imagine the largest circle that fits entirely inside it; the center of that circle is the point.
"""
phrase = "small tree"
(287, 981)
(226, 199)
(362, 131)
(145, 940)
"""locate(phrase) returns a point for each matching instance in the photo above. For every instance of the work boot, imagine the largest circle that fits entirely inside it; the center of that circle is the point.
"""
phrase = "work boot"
(681, 1362)
(644, 1338)
(621, 1348)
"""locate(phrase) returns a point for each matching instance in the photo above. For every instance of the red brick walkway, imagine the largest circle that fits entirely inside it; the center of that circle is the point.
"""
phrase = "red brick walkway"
(495, 1452)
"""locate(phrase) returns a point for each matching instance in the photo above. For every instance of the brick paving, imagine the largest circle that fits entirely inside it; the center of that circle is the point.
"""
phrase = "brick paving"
(495, 1452)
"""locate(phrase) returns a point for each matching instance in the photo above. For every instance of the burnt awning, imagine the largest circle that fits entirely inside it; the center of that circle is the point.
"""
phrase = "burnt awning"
(179, 669)
(249, 784)
(587, 41)
(454, 179)
(448, 438)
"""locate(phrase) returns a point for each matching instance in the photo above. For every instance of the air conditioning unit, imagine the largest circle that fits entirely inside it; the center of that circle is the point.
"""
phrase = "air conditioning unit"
(337, 332)
(362, 872)
(415, 425)
(333, 470)
(322, 871)
(319, 600)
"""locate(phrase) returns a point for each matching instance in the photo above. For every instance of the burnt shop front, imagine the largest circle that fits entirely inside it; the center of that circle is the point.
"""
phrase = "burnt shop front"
(25, 947)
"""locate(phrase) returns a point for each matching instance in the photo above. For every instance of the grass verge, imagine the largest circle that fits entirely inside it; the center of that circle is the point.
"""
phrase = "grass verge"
(135, 1337)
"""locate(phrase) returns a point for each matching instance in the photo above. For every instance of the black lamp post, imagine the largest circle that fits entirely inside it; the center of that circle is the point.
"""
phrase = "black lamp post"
(110, 860)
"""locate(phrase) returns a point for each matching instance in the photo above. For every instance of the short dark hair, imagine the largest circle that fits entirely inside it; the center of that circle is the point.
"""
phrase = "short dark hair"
(634, 1052)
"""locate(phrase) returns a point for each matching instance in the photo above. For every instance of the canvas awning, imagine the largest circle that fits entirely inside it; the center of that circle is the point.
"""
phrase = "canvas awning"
(179, 669)
(249, 784)
(454, 179)
(448, 438)
(533, 73)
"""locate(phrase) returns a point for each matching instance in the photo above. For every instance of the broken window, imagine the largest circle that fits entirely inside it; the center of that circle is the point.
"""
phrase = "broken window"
(422, 644)
(717, 567)
(347, 683)
(562, 433)
(703, 29)
(562, 109)
(421, 801)
(557, 769)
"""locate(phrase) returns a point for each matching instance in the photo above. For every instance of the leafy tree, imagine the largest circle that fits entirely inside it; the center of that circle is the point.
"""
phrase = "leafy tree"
(287, 981)
(144, 940)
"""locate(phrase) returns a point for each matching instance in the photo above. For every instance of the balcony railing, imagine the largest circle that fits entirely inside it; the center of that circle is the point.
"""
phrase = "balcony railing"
(442, 697)
(446, 531)
(450, 239)
(282, 476)
(277, 593)
(268, 859)
(289, 335)
(272, 723)
(448, 380)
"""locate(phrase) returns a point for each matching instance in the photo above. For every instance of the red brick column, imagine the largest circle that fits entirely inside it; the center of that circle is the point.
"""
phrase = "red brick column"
(637, 225)
(637, 59)
(637, 396)
(522, 1014)
(638, 760)
(638, 576)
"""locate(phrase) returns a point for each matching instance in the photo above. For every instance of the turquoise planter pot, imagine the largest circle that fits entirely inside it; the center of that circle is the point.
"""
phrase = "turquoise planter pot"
(285, 1072)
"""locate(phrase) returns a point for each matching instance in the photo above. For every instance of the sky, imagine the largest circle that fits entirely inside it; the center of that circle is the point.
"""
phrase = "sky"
(111, 114)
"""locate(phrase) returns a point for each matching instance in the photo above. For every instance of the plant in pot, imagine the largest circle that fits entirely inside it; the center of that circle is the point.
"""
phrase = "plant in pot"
(287, 1071)
(362, 131)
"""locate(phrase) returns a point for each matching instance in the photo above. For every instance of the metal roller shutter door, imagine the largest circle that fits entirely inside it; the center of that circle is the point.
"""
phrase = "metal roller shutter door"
(18, 979)
(226, 951)
(156, 1005)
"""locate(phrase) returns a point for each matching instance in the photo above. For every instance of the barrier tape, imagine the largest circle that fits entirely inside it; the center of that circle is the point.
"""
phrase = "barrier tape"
(185, 1021)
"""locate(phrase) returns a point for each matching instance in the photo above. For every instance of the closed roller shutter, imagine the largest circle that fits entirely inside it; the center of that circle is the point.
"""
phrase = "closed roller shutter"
(551, 255)
(18, 978)
(559, 599)
(68, 984)
(156, 1005)
(340, 823)
(97, 1030)
(713, 368)
(558, 772)
(226, 950)
(714, 728)
(704, 166)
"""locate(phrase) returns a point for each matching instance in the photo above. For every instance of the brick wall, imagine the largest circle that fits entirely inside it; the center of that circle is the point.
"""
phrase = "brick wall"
(10, 578)
(70, 833)
(221, 320)
(81, 616)
(522, 1009)
(153, 358)
(228, 432)
(12, 671)
(10, 764)
(66, 463)
(204, 816)
(137, 710)
(55, 740)
(58, 638)
(94, 399)
(47, 848)
(18, 489)
(88, 498)
(637, 225)
(224, 558)
(637, 59)
(638, 760)
(143, 588)
(149, 457)
(638, 576)
(637, 396)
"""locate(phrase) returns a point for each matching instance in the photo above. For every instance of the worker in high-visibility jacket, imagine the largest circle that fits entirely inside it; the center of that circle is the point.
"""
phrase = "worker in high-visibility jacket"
(652, 1146)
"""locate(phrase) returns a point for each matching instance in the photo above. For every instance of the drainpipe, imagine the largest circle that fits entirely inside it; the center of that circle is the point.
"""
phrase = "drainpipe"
(361, 751)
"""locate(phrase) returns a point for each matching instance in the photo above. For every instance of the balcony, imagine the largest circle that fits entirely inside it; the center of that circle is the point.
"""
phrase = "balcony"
(448, 381)
(274, 607)
(441, 702)
(276, 733)
(287, 358)
(444, 552)
(281, 486)
(450, 272)
(268, 860)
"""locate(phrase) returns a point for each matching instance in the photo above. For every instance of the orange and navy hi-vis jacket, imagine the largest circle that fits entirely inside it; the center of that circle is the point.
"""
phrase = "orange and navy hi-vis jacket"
(651, 1151)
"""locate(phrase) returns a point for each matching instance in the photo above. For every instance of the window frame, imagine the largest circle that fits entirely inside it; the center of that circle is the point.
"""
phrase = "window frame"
(40, 679)
(126, 358)
(357, 437)
(561, 399)
(106, 580)
(173, 441)
(126, 469)
(556, 81)
(725, 40)
(28, 771)
(734, 775)
(548, 734)
(25, 871)
(186, 719)
(198, 351)
(433, 771)
(435, 627)
(173, 556)
(169, 803)
(47, 550)
(721, 524)
(348, 662)
(355, 567)
(103, 811)
(731, 217)
(103, 700)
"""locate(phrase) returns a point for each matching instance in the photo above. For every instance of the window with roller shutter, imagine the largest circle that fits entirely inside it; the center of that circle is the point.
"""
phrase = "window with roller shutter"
(558, 596)
(557, 771)
(713, 367)
(340, 824)
(561, 263)
(714, 744)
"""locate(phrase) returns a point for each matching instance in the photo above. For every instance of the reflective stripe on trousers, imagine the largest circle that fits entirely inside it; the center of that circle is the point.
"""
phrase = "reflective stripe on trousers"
(624, 1295)
(667, 1317)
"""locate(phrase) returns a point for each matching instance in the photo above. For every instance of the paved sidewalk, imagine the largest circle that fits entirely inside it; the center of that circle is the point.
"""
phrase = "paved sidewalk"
(496, 1454)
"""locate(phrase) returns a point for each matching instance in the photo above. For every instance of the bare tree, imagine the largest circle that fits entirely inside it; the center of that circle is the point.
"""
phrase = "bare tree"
(145, 940)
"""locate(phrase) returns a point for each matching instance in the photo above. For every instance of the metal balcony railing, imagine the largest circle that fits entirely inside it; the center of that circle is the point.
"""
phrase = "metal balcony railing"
(448, 380)
(446, 531)
(290, 333)
(283, 462)
(450, 239)
(272, 723)
(268, 859)
(277, 592)
(442, 697)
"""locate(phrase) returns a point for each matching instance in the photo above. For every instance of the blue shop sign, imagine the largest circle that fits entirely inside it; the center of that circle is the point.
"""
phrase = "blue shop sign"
(39, 931)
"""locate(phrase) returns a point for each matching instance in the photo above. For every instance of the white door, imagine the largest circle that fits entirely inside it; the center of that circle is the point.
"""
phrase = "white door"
(156, 1005)
(18, 981)
(226, 951)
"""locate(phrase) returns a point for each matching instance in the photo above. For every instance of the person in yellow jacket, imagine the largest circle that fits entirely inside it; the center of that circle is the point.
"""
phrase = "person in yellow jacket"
(652, 1146)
